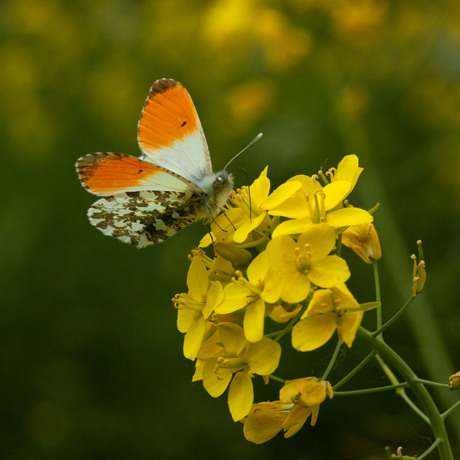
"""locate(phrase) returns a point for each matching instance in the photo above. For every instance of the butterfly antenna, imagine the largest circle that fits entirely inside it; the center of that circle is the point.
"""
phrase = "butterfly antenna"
(249, 194)
(249, 145)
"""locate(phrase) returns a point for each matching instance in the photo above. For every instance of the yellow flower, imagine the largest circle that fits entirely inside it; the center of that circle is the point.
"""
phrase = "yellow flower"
(313, 204)
(261, 287)
(228, 354)
(299, 399)
(329, 310)
(196, 306)
(307, 394)
(247, 212)
(265, 420)
(306, 261)
(364, 241)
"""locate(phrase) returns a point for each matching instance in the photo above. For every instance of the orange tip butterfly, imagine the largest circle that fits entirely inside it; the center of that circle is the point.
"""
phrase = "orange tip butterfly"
(172, 184)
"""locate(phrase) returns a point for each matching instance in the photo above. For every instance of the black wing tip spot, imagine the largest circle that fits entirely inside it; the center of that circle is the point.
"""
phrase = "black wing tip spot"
(183, 124)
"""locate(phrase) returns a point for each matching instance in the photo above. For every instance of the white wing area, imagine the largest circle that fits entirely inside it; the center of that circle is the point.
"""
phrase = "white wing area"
(188, 157)
(162, 181)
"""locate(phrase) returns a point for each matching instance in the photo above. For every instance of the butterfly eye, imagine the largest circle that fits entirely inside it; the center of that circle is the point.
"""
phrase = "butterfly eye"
(218, 183)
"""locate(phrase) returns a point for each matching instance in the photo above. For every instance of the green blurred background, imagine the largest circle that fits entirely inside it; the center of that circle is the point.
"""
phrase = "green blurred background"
(90, 357)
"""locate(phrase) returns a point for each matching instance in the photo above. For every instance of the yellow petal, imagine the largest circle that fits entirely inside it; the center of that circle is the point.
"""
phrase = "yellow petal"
(254, 321)
(232, 337)
(321, 239)
(348, 216)
(295, 287)
(194, 337)
(291, 390)
(242, 232)
(260, 188)
(263, 357)
(240, 395)
(335, 193)
(313, 393)
(292, 227)
(214, 298)
(282, 193)
(215, 385)
(272, 286)
(281, 253)
(197, 279)
(349, 327)
(296, 419)
(281, 315)
(184, 319)
(313, 332)
(198, 375)
(264, 422)
(348, 169)
(258, 268)
(294, 207)
(329, 272)
(235, 298)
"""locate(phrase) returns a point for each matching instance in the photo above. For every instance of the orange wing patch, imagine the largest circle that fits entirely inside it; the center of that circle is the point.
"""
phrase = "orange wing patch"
(168, 115)
(108, 173)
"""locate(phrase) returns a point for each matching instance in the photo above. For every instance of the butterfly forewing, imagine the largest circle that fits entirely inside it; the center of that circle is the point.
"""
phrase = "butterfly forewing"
(143, 218)
(109, 173)
(170, 132)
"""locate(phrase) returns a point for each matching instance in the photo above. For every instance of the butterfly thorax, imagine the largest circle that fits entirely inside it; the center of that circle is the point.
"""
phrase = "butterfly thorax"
(216, 190)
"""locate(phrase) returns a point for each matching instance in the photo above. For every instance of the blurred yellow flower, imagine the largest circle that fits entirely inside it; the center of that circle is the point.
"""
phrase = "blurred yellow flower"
(359, 19)
(329, 310)
(251, 100)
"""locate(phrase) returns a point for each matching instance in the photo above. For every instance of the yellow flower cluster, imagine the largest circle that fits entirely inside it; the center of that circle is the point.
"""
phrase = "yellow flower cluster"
(275, 260)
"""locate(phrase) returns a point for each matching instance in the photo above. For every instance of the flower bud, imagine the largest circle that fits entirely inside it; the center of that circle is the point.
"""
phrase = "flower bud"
(363, 239)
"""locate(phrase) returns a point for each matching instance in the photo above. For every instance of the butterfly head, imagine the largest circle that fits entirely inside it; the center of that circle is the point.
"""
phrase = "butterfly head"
(216, 190)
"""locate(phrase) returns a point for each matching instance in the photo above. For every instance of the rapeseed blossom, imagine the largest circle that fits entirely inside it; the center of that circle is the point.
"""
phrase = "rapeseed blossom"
(275, 259)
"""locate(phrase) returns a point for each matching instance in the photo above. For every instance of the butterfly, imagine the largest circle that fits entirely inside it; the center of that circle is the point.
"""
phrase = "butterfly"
(171, 185)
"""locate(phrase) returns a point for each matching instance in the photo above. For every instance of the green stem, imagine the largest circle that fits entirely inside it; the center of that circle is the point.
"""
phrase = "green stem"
(402, 392)
(378, 298)
(430, 449)
(433, 384)
(451, 409)
(424, 398)
(332, 361)
(394, 318)
(354, 371)
(366, 391)
(413, 406)
(276, 379)
(339, 245)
